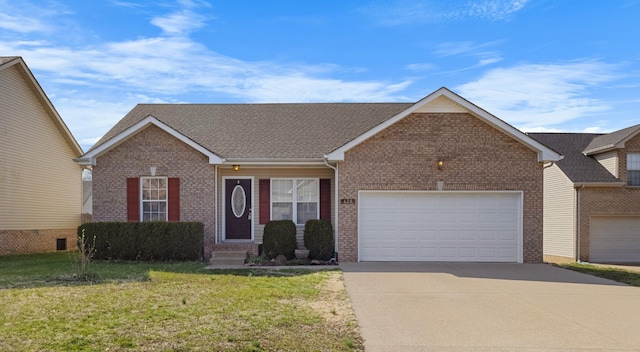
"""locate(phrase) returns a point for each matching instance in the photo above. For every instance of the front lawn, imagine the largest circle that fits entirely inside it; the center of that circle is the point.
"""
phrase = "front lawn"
(620, 275)
(170, 307)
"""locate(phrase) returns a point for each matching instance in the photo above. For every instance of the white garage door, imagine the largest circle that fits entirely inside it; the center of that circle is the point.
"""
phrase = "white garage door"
(615, 239)
(440, 226)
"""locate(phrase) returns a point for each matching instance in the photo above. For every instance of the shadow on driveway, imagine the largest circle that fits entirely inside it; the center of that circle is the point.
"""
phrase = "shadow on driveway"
(499, 271)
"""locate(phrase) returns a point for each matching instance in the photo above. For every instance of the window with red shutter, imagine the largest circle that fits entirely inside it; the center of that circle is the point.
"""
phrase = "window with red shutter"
(325, 199)
(133, 199)
(265, 201)
(173, 199)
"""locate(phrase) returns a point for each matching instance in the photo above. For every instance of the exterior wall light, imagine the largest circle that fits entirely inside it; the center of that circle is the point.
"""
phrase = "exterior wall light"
(236, 167)
(440, 163)
(152, 170)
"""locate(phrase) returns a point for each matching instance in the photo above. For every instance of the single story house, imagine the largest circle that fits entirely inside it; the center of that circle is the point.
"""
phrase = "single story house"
(592, 197)
(40, 184)
(436, 180)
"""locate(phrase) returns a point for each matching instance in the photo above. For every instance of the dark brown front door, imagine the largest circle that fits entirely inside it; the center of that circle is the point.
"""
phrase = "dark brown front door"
(237, 209)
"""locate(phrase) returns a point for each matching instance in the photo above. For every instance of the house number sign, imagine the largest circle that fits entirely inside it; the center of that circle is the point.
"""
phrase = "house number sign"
(347, 201)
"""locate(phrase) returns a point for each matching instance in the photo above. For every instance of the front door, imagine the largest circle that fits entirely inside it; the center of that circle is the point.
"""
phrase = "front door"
(237, 209)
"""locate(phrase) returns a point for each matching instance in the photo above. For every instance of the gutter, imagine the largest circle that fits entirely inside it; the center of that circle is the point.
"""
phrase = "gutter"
(598, 184)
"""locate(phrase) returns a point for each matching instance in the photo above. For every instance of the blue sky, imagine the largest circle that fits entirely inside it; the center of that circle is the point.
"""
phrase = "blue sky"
(541, 65)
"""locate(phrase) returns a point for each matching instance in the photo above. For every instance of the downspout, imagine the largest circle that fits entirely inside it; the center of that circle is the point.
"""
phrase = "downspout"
(215, 201)
(335, 200)
(578, 223)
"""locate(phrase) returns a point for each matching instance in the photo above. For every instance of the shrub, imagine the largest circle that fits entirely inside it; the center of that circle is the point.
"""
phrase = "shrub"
(318, 239)
(164, 241)
(279, 238)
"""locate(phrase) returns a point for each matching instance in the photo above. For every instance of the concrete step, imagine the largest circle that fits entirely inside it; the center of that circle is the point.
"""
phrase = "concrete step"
(228, 257)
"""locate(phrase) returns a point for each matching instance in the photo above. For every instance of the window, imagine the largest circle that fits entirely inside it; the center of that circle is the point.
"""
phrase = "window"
(154, 198)
(633, 169)
(294, 199)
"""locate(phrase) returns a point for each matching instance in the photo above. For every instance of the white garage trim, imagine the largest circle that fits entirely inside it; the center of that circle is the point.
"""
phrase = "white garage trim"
(614, 239)
(418, 236)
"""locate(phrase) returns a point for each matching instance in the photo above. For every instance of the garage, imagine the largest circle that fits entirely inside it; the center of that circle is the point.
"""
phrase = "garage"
(615, 239)
(440, 226)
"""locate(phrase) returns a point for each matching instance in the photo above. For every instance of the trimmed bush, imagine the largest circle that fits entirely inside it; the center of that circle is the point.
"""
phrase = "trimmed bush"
(146, 241)
(279, 238)
(318, 239)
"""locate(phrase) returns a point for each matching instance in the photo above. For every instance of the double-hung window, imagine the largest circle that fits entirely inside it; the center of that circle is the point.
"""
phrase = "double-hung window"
(295, 199)
(154, 198)
(633, 169)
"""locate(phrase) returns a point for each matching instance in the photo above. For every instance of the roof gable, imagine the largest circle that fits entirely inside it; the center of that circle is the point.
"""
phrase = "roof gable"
(444, 100)
(613, 140)
(17, 61)
(90, 157)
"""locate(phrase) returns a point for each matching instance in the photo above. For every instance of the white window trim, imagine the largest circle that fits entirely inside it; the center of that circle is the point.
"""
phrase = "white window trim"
(294, 216)
(166, 201)
(629, 154)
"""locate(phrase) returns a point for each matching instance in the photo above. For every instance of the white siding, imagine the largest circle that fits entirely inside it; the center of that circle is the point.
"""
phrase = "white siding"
(40, 184)
(609, 161)
(559, 214)
(268, 173)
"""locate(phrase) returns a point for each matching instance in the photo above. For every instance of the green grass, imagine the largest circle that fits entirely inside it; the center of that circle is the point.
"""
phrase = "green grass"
(620, 275)
(171, 307)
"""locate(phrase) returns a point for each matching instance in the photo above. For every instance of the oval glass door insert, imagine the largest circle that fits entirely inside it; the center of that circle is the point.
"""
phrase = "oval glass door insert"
(238, 201)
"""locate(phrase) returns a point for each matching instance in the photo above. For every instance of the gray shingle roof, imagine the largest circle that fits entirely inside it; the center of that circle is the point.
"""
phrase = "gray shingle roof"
(611, 140)
(578, 167)
(265, 131)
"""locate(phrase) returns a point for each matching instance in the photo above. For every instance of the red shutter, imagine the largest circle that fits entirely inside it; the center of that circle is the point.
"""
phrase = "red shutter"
(133, 199)
(173, 199)
(265, 201)
(325, 199)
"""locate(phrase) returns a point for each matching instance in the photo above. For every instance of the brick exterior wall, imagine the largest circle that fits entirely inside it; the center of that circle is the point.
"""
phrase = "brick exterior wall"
(34, 241)
(476, 157)
(172, 158)
(603, 201)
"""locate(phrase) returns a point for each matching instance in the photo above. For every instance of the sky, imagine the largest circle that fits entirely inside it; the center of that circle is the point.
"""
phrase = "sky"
(540, 65)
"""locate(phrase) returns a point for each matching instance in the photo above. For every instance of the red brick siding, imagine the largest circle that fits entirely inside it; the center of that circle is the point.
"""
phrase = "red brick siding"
(172, 158)
(476, 157)
(599, 201)
(34, 241)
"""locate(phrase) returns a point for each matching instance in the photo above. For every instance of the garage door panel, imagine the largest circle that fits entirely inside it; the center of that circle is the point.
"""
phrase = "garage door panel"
(440, 226)
(615, 239)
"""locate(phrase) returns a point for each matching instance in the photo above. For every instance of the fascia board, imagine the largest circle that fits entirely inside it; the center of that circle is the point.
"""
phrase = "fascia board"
(598, 184)
(149, 120)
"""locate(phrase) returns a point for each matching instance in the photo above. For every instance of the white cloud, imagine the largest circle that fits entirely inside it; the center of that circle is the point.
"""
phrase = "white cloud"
(421, 67)
(533, 95)
(405, 12)
(179, 23)
(481, 52)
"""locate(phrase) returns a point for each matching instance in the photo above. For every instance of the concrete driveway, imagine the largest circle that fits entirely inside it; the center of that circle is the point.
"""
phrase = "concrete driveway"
(490, 307)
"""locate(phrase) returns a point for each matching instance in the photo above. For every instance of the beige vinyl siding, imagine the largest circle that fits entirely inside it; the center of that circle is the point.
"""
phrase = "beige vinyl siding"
(609, 161)
(269, 173)
(559, 214)
(40, 184)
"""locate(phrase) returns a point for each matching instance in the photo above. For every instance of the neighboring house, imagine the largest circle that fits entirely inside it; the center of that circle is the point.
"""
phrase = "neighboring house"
(40, 184)
(592, 197)
(436, 180)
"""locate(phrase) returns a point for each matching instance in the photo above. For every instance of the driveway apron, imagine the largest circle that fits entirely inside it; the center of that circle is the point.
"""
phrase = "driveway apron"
(490, 307)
